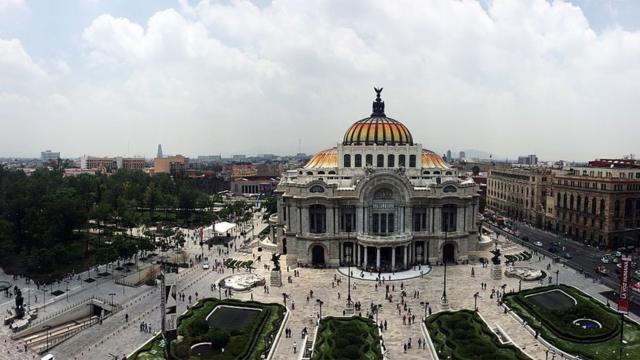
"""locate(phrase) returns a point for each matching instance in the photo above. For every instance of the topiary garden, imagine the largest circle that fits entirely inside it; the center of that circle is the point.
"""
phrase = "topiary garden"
(549, 315)
(250, 337)
(463, 335)
(347, 338)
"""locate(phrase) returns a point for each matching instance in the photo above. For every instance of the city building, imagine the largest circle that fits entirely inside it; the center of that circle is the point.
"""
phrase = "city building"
(170, 164)
(159, 153)
(103, 164)
(241, 170)
(462, 155)
(49, 155)
(528, 160)
(599, 204)
(449, 159)
(253, 186)
(238, 157)
(109, 164)
(520, 194)
(376, 200)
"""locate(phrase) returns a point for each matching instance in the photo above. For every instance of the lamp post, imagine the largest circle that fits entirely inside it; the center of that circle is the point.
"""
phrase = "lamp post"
(349, 251)
(47, 327)
(475, 300)
(519, 285)
(444, 289)
(44, 298)
(557, 276)
(320, 303)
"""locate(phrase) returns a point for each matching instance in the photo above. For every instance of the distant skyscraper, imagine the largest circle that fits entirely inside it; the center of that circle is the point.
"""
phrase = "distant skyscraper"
(462, 155)
(159, 154)
(448, 155)
(49, 155)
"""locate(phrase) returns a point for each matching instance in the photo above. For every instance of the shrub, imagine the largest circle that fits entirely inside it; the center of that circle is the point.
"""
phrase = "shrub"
(218, 337)
(198, 327)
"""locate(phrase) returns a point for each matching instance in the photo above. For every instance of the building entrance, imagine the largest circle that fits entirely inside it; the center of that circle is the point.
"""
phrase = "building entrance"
(448, 253)
(317, 255)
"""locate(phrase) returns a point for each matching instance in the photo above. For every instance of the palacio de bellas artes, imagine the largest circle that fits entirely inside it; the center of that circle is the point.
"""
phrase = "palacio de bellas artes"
(378, 200)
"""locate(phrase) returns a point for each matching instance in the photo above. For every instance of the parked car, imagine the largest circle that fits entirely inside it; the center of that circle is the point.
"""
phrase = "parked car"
(525, 238)
(601, 270)
(567, 255)
(553, 249)
(537, 243)
(205, 265)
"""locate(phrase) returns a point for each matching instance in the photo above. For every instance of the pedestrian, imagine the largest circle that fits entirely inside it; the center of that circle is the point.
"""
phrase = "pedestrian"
(295, 347)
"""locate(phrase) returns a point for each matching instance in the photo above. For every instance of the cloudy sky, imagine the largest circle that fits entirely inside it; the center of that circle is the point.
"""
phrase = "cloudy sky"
(560, 79)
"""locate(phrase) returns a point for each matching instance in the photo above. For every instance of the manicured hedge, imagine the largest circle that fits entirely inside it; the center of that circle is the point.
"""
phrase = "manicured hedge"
(463, 335)
(561, 322)
(248, 343)
(600, 350)
(347, 338)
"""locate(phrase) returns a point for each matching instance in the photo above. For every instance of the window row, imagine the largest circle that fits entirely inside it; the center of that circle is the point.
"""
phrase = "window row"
(368, 160)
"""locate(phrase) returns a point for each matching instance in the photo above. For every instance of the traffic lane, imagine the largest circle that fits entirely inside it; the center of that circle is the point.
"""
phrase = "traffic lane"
(582, 257)
(585, 257)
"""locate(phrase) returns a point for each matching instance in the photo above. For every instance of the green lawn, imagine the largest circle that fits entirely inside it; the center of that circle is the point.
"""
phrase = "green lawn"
(347, 338)
(462, 335)
(249, 342)
(556, 325)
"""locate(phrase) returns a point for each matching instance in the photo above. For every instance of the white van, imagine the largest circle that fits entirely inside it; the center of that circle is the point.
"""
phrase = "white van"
(48, 357)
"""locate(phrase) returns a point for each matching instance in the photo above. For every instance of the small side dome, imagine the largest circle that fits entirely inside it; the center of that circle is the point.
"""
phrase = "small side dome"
(323, 160)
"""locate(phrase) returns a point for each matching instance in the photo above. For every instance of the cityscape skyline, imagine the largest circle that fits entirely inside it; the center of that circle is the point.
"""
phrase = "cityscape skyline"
(531, 77)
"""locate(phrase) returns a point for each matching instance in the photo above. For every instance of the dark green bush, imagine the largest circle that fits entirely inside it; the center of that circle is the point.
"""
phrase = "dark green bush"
(218, 337)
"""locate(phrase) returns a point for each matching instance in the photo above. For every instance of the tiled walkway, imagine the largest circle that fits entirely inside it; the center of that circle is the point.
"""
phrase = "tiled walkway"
(117, 337)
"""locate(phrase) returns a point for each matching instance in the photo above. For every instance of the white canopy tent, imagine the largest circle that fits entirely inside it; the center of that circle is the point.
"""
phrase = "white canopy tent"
(220, 228)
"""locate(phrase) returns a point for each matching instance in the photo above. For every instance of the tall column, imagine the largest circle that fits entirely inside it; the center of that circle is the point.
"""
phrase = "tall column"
(424, 253)
(330, 217)
(365, 257)
(304, 222)
(393, 258)
(377, 258)
(437, 222)
(359, 219)
(405, 256)
(356, 253)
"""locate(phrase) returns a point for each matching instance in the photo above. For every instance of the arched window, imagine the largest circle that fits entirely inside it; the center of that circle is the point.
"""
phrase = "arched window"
(317, 219)
(380, 161)
(616, 208)
(412, 161)
(564, 200)
(347, 160)
(593, 206)
(401, 161)
(578, 203)
(391, 161)
(358, 160)
(559, 200)
(586, 205)
(602, 207)
(449, 215)
(369, 160)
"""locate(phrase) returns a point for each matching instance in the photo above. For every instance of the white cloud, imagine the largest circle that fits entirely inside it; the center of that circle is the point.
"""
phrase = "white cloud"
(515, 77)
(7, 4)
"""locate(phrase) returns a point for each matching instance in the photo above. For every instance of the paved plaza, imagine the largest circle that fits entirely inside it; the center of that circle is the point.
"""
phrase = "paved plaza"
(116, 337)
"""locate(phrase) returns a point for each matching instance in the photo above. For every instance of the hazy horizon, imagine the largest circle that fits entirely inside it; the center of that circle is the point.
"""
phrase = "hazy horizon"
(557, 79)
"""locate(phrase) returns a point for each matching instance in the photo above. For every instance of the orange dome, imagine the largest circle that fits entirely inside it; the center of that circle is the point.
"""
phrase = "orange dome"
(377, 129)
(433, 160)
(323, 160)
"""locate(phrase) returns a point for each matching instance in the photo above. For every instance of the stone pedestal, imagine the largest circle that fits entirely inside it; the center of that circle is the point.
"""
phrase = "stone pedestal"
(496, 272)
(444, 304)
(276, 278)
